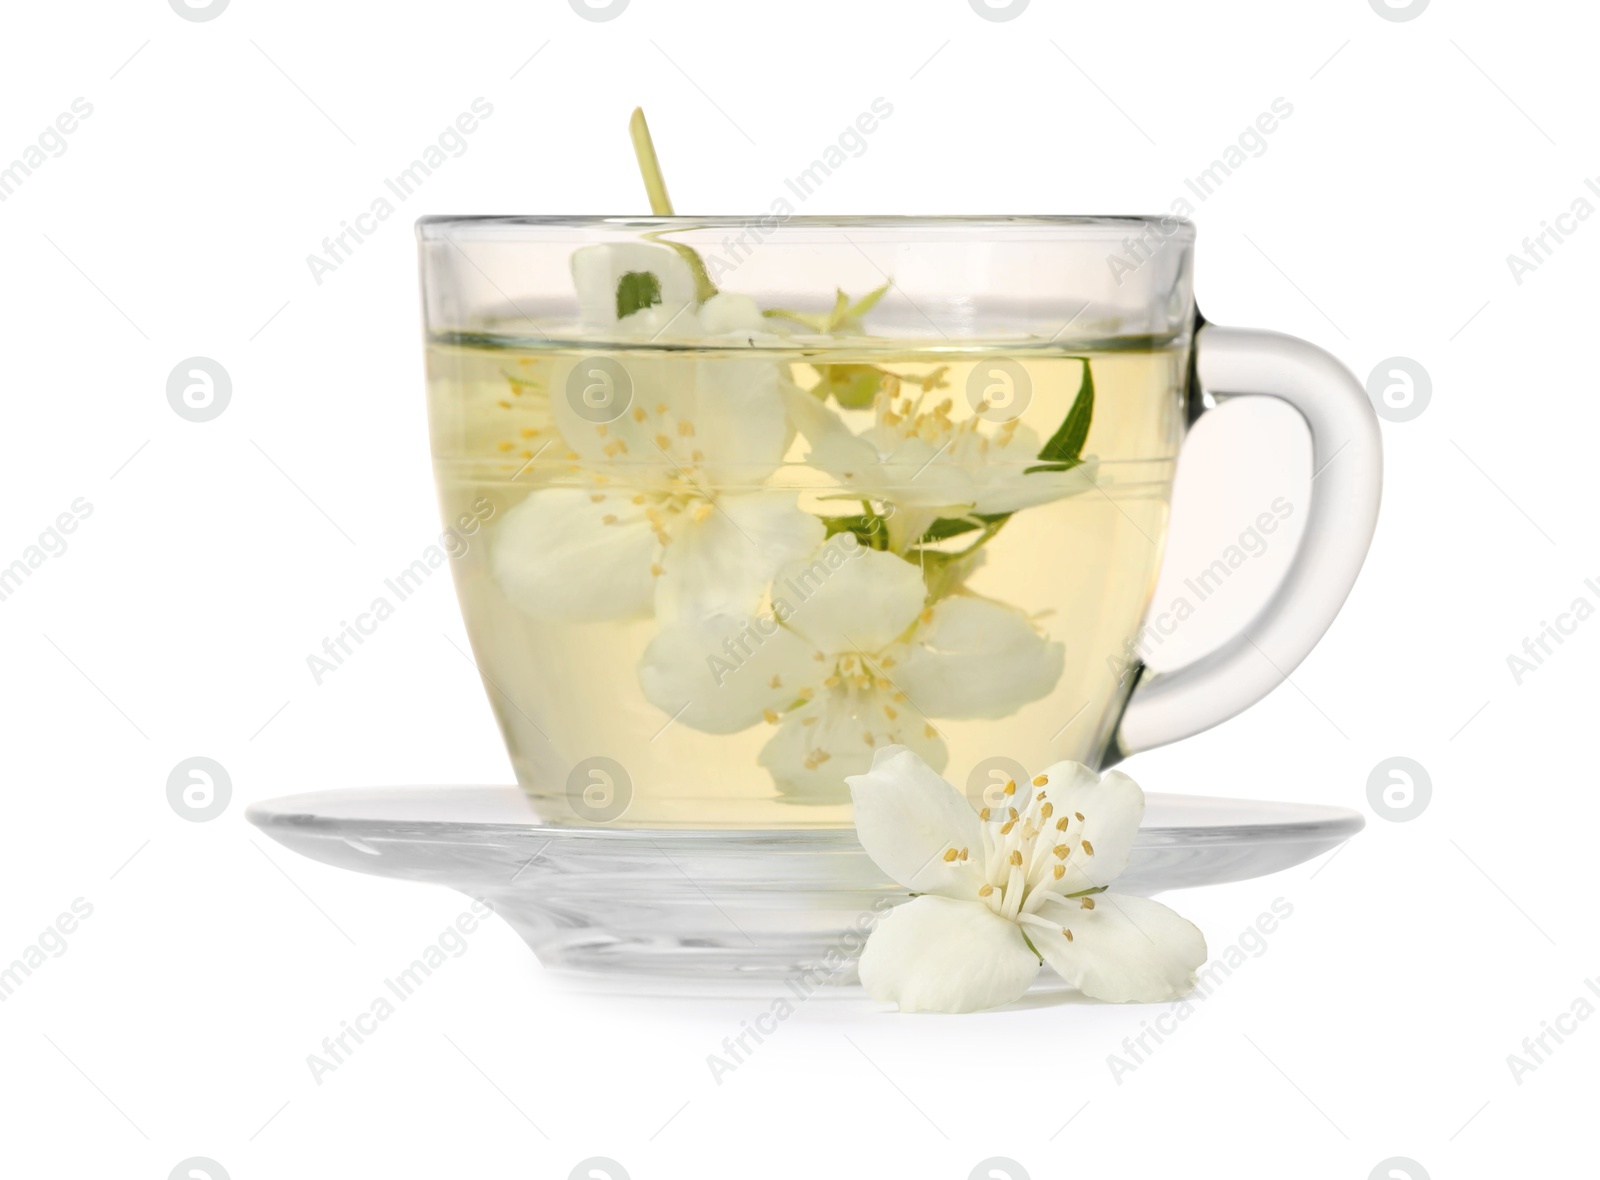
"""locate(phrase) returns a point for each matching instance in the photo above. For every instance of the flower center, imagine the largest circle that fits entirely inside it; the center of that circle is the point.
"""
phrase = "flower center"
(904, 417)
(1026, 852)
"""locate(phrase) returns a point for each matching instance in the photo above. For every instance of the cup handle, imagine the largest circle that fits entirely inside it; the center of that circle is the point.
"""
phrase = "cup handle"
(1346, 481)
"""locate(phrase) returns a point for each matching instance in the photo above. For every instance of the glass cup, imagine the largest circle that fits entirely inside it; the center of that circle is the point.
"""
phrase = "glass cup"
(753, 499)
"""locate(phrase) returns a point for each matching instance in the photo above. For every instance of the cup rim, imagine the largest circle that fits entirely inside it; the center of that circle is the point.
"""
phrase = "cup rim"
(1091, 225)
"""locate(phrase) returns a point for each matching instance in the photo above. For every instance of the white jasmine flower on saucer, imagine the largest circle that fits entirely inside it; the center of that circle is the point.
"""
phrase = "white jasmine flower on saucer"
(1031, 875)
(849, 660)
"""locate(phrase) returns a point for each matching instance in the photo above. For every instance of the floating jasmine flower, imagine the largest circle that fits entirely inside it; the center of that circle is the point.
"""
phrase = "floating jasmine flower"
(663, 510)
(850, 659)
(929, 462)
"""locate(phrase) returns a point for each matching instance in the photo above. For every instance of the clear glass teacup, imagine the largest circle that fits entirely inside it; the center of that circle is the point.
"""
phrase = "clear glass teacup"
(758, 498)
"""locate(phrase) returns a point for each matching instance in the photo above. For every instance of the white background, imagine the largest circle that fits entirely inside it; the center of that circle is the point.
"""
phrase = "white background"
(218, 555)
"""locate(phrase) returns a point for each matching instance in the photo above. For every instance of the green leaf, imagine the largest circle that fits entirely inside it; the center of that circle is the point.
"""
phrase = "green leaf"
(946, 527)
(1064, 450)
(843, 316)
(870, 529)
(853, 386)
(637, 290)
(866, 303)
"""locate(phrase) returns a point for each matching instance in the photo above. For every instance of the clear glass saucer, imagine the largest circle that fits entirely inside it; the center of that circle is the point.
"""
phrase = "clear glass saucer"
(769, 904)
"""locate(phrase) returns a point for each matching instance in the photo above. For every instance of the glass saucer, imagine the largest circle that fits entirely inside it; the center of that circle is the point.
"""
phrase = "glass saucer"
(767, 904)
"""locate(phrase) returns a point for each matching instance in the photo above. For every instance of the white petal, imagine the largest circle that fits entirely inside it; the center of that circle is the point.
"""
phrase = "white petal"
(723, 563)
(1012, 488)
(836, 734)
(648, 382)
(813, 418)
(596, 271)
(1125, 949)
(907, 817)
(933, 954)
(556, 558)
(847, 598)
(661, 321)
(854, 461)
(908, 472)
(978, 658)
(728, 314)
(912, 473)
(1111, 804)
(915, 472)
(741, 429)
(720, 675)
(708, 423)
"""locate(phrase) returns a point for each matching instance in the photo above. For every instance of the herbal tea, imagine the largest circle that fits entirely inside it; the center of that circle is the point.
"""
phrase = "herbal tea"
(734, 552)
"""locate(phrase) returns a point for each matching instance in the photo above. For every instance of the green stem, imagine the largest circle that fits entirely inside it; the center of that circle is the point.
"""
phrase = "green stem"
(1031, 947)
(655, 185)
(644, 147)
